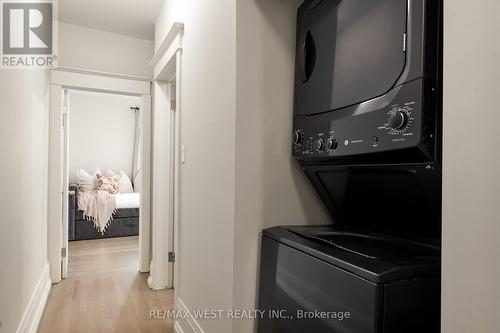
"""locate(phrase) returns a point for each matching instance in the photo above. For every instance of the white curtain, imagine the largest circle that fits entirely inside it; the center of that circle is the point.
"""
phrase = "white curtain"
(136, 167)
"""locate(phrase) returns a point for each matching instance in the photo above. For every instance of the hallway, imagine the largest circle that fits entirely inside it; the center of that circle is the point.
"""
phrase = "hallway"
(104, 292)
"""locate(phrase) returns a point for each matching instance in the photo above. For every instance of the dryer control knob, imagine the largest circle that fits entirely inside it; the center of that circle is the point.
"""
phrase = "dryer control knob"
(297, 137)
(319, 145)
(331, 144)
(399, 119)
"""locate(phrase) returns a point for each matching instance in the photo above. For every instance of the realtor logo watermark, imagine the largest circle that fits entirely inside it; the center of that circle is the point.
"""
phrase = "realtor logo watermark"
(28, 34)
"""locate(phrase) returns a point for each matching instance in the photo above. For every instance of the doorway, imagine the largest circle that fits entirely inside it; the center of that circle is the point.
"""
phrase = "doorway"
(93, 83)
(166, 177)
(102, 172)
(119, 286)
(167, 88)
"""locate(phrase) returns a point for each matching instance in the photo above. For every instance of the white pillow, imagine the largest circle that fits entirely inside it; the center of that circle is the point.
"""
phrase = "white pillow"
(124, 183)
(86, 181)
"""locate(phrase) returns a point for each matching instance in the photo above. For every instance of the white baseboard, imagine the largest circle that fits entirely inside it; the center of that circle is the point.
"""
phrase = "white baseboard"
(33, 313)
(183, 324)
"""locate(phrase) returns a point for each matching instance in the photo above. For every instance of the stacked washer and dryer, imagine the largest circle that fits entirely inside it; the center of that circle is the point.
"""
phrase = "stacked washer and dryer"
(367, 133)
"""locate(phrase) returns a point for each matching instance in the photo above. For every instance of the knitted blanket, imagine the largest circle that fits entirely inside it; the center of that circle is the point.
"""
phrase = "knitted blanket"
(98, 207)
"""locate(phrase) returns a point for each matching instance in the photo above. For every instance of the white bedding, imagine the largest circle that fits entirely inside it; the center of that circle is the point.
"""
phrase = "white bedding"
(128, 200)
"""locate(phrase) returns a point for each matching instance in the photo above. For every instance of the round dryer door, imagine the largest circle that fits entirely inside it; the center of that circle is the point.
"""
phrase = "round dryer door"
(348, 51)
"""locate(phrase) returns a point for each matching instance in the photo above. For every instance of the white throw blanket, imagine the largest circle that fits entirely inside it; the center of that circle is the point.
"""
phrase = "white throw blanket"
(98, 207)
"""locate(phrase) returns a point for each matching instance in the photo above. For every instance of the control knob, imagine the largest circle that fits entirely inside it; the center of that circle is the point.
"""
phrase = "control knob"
(319, 145)
(399, 119)
(331, 144)
(297, 137)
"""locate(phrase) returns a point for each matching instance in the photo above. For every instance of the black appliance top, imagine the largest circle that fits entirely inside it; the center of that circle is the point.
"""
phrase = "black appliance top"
(349, 51)
(374, 257)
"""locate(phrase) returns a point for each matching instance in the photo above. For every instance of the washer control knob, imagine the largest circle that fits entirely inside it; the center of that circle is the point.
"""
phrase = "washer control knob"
(298, 136)
(399, 119)
(331, 144)
(319, 145)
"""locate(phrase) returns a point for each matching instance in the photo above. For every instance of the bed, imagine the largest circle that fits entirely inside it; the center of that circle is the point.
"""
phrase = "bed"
(125, 219)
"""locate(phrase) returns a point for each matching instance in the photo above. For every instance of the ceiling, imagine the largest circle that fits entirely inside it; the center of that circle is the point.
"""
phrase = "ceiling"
(134, 18)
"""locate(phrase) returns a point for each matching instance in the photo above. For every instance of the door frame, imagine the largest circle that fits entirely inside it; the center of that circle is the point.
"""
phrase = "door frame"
(67, 78)
(166, 163)
(65, 192)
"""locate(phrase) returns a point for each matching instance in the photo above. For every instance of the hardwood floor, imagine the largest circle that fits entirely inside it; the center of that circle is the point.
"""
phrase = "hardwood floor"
(104, 292)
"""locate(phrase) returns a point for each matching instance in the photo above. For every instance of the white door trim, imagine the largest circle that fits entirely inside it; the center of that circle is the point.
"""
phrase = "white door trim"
(172, 42)
(166, 161)
(65, 194)
(103, 82)
(146, 190)
(55, 183)
(61, 79)
(179, 160)
(161, 205)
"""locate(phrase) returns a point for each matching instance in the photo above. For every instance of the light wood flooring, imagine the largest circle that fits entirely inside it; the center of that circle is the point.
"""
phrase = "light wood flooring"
(104, 292)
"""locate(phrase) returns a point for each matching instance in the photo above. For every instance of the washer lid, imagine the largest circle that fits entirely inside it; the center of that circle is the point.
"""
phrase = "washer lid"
(374, 257)
(348, 51)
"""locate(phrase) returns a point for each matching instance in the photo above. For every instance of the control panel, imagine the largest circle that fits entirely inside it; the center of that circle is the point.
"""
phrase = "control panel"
(390, 122)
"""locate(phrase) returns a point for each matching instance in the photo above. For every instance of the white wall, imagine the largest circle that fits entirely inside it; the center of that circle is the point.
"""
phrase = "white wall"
(270, 187)
(208, 134)
(23, 194)
(101, 132)
(85, 48)
(237, 88)
(471, 183)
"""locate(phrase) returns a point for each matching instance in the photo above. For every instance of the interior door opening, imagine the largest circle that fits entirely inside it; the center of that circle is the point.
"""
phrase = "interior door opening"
(166, 173)
(102, 181)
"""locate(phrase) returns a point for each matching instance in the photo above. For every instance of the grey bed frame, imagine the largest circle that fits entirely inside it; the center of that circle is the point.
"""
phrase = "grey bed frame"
(125, 221)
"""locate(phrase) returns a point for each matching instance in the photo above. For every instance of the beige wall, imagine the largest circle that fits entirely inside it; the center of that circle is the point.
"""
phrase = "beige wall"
(23, 194)
(270, 187)
(208, 134)
(471, 175)
(91, 49)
